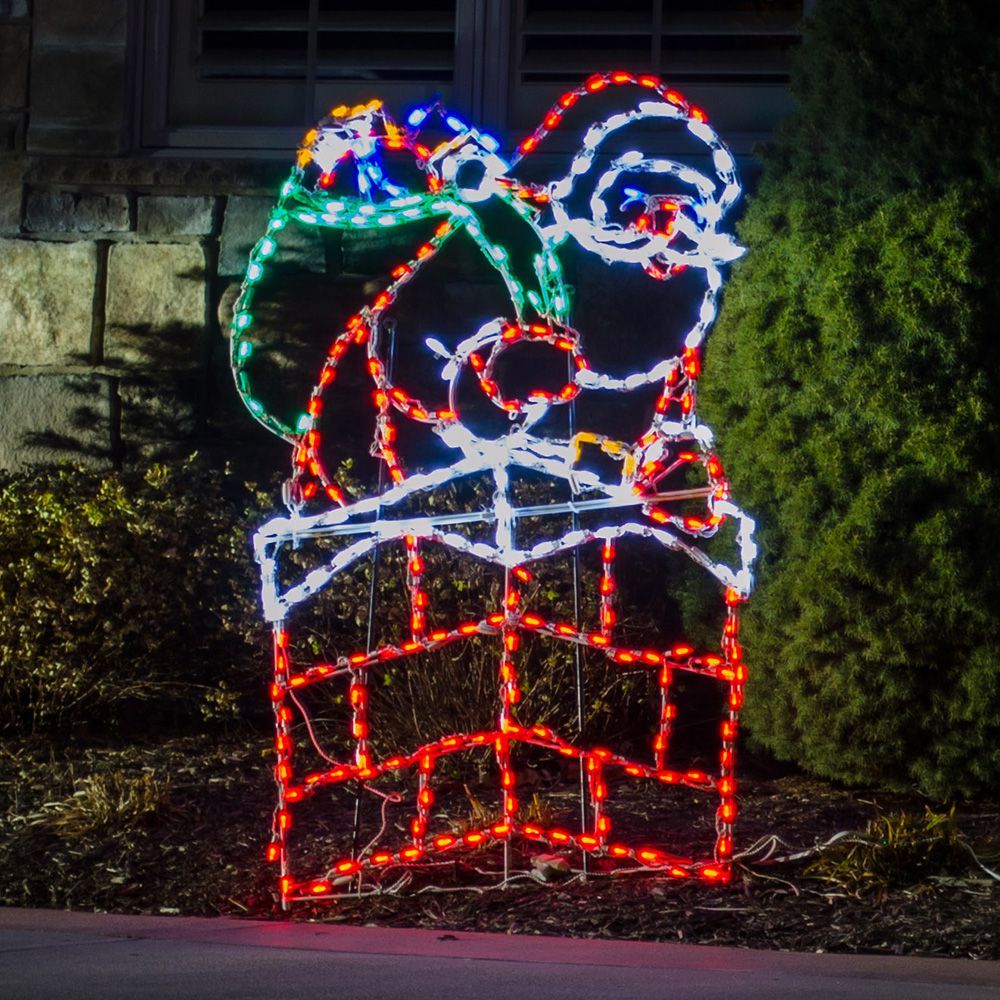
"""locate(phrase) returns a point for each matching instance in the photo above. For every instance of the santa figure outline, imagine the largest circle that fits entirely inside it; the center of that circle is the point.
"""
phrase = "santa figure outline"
(592, 206)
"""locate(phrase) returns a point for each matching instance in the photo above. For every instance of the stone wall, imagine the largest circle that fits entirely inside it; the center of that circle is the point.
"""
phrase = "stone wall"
(112, 264)
(110, 340)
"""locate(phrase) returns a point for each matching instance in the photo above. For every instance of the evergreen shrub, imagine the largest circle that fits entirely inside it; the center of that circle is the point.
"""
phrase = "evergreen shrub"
(852, 379)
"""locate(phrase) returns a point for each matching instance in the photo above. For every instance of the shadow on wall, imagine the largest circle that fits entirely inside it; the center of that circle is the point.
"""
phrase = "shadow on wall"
(75, 412)
(147, 402)
(164, 391)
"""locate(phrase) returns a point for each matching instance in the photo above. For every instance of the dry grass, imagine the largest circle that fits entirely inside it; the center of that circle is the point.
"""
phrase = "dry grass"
(103, 803)
(896, 849)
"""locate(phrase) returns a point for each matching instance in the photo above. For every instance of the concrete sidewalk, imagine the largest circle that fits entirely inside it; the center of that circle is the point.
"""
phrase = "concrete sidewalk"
(79, 956)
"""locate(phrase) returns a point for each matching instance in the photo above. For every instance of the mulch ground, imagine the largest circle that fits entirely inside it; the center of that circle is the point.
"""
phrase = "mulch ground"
(180, 828)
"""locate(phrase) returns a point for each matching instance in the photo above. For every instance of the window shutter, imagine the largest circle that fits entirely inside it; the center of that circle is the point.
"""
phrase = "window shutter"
(730, 55)
(253, 74)
(267, 68)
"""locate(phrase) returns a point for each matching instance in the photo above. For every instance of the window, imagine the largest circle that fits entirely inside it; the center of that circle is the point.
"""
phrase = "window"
(730, 56)
(252, 74)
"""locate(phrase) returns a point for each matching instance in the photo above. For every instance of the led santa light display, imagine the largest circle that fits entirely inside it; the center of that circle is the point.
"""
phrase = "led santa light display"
(343, 180)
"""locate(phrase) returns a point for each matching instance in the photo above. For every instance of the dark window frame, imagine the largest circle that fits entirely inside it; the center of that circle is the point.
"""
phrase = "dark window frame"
(488, 84)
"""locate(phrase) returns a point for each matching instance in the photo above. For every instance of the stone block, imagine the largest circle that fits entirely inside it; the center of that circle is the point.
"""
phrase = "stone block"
(158, 414)
(69, 212)
(160, 216)
(47, 419)
(47, 302)
(187, 175)
(80, 88)
(377, 251)
(156, 305)
(11, 193)
(224, 310)
(72, 140)
(374, 252)
(12, 132)
(70, 22)
(15, 49)
(245, 223)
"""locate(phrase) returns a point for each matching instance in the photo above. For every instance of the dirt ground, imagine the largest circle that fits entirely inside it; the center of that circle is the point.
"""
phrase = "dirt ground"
(180, 828)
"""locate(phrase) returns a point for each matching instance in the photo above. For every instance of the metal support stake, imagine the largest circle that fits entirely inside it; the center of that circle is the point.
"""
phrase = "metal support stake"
(577, 649)
(369, 641)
